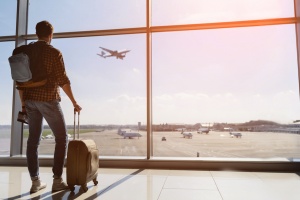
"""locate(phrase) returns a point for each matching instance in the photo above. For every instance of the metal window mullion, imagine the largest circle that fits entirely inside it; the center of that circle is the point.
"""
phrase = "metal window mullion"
(16, 143)
(169, 28)
(218, 25)
(297, 27)
(149, 81)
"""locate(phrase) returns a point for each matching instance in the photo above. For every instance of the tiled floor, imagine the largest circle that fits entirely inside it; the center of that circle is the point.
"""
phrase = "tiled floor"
(139, 184)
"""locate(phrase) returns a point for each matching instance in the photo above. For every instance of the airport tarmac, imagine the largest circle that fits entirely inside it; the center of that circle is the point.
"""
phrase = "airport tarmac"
(214, 144)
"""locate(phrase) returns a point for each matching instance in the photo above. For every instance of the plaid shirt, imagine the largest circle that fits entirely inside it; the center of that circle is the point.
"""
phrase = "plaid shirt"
(57, 77)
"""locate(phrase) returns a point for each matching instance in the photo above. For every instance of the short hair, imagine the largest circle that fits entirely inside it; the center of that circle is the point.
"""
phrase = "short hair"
(43, 29)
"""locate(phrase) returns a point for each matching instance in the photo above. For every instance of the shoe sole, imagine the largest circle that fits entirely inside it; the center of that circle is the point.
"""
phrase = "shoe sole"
(60, 189)
(34, 191)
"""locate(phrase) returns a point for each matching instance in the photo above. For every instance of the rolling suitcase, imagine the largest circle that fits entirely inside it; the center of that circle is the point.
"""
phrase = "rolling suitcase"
(82, 161)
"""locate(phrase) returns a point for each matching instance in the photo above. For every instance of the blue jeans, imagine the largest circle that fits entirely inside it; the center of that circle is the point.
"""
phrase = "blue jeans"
(52, 112)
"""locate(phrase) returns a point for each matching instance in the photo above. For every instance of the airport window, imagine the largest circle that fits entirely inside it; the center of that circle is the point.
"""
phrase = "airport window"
(110, 90)
(69, 15)
(6, 87)
(217, 92)
(8, 17)
(177, 12)
(244, 79)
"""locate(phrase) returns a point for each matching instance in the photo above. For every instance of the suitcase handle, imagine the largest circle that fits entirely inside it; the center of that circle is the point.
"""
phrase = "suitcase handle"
(78, 126)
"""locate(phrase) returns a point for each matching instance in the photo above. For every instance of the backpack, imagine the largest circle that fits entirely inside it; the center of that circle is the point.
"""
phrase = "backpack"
(27, 67)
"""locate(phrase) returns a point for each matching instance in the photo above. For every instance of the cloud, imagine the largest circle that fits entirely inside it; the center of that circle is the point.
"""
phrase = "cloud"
(225, 107)
(126, 99)
(135, 70)
(189, 107)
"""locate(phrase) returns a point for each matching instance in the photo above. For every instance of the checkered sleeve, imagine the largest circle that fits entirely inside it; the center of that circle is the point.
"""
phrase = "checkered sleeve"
(60, 71)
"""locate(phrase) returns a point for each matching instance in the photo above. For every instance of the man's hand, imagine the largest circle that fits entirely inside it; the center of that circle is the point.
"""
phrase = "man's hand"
(77, 108)
(24, 109)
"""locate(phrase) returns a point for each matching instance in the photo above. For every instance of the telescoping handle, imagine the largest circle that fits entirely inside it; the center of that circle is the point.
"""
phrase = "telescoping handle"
(78, 126)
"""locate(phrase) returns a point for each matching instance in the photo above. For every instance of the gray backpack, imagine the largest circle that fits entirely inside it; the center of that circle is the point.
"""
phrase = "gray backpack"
(20, 67)
(27, 67)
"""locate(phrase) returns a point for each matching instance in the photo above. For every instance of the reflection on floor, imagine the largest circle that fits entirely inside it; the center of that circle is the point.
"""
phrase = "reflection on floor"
(139, 184)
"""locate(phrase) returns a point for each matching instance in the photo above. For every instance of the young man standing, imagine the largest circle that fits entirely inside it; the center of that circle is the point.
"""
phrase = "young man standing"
(44, 103)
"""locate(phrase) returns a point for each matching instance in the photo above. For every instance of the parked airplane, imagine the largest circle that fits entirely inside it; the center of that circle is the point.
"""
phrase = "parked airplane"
(111, 53)
(203, 130)
(49, 136)
(237, 135)
(129, 135)
(187, 135)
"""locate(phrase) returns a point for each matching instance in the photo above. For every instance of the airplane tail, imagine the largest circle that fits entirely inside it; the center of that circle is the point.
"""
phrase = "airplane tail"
(102, 54)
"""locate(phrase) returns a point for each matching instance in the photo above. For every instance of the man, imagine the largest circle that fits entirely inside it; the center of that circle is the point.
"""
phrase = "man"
(43, 103)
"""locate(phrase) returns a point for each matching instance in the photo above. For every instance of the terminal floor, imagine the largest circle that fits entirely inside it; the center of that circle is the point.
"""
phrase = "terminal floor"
(148, 184)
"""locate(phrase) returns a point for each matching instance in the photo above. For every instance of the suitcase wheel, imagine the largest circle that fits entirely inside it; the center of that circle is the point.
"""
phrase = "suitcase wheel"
(84, 188)
(95, 181)
(72, 187)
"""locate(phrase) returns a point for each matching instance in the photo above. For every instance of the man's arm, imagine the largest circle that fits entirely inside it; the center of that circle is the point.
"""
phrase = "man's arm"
(67, 89)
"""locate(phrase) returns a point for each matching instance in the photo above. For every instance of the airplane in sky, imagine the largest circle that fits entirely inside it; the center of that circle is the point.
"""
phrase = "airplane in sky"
(111, 53)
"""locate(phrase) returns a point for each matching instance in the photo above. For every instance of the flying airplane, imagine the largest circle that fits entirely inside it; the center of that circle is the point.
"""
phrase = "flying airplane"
(111, 53)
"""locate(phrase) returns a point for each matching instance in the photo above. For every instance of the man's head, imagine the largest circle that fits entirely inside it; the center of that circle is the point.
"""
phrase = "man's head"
(44, 30)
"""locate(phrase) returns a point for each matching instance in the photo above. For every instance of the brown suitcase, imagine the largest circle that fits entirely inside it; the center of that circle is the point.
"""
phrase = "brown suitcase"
(82, 161)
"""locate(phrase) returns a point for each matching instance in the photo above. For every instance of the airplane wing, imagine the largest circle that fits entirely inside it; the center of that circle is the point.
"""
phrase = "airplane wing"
(108, 50)
(121, 52)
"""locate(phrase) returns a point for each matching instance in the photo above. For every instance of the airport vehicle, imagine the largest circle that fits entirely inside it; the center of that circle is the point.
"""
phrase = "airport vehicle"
(203, 130)
(111, 53)
(188, 135)
(237, 135)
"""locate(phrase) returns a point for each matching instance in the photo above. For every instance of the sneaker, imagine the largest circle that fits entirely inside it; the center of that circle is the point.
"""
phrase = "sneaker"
(37, 185)
(59, 184)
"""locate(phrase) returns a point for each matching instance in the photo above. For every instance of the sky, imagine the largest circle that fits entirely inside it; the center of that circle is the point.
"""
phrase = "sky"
(218, 75)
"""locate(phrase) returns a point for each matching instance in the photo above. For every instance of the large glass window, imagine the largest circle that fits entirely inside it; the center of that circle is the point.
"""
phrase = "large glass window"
(6, 88)
(111, 92)
(226, 93)
(83, 15)
(174, 12)
(227, 80)
(8, 10)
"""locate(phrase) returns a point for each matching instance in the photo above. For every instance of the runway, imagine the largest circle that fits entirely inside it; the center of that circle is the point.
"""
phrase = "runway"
(214, 144)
